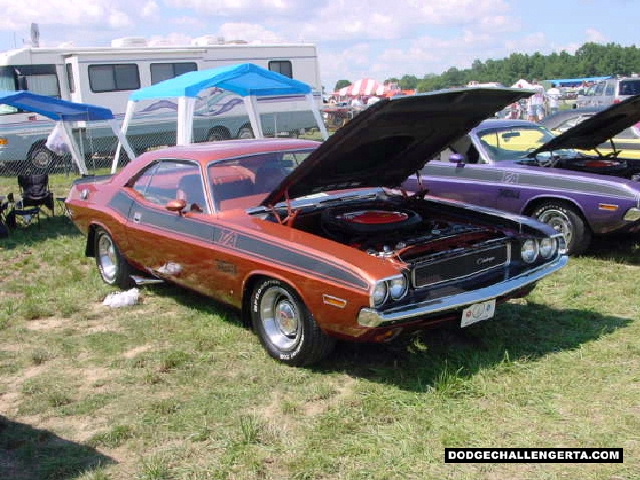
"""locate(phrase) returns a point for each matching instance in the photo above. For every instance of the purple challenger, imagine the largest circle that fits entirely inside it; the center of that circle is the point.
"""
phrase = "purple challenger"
(520, 167)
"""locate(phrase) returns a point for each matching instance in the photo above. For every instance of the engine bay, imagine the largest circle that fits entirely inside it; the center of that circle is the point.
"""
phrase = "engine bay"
(405, 231)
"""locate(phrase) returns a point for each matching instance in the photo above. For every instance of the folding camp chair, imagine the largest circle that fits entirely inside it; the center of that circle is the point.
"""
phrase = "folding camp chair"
(34, 190)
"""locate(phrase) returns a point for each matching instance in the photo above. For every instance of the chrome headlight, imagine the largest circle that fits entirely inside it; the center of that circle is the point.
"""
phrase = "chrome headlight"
(529, 251)
(548, 247)
(380, 293)
(398, 287)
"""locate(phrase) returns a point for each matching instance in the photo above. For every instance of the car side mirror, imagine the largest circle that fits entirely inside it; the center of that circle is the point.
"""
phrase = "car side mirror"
(176, 205)
(456, 158)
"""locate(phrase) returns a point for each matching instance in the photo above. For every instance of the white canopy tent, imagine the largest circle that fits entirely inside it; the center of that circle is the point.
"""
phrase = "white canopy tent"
(247, 80)
(64, 111)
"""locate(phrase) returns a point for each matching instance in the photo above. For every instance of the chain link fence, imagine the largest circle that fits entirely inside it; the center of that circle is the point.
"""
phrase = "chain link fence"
(25, 153)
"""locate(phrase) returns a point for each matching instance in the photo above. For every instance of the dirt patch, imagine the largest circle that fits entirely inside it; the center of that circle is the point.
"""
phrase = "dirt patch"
(46, 324)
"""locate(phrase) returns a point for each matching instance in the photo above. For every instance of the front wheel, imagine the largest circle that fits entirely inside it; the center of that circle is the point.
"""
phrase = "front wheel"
(41, 157)
(286, 327)
(565, 219)
(114, 268)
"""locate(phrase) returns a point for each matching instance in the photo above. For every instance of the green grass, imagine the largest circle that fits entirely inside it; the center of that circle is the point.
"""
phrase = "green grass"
(177, 388)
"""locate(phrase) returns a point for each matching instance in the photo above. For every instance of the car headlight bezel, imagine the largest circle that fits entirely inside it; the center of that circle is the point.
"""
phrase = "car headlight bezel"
(548, 247)
(379, 293)
(529, 250)
(398, 287)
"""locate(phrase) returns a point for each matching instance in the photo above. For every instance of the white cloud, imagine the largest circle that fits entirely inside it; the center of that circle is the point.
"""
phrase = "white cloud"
(150, 9)
(96, 13)
(594, 35)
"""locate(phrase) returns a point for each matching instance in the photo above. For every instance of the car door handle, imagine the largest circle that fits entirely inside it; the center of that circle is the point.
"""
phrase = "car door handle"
(136, 217)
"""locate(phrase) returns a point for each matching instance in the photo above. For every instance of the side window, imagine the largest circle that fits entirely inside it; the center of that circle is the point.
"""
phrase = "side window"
(69, 71)
(282, 66)
(114, 77)
(172, 180)
(165, 71)
(599, 89)
(609, 90)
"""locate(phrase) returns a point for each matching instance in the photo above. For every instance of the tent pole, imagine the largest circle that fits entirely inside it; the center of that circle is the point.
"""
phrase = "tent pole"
(251, 104)
(73, 146)
(317, 115)
(131, 106)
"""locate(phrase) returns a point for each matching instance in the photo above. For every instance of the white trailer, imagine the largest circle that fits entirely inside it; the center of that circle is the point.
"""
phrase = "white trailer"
(106, 76)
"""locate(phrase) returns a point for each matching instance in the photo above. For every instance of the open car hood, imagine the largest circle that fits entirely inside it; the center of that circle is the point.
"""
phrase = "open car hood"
(392, 139)
(596, 129)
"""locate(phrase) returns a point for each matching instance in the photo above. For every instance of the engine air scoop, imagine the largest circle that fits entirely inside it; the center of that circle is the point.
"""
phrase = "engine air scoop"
(374, 217)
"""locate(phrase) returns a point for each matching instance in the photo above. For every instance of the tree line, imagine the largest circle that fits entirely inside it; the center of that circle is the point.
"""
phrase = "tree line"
(590, 60)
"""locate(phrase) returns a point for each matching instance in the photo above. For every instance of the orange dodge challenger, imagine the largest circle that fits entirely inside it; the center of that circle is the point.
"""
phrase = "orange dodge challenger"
(312, 241)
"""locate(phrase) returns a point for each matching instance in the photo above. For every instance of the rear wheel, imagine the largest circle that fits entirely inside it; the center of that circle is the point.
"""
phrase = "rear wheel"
(245, 132)
(285, 326)
(565, 219)
(113, 267)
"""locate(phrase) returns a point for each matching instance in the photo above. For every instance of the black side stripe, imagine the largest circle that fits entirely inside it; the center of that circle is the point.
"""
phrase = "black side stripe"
(249, 245)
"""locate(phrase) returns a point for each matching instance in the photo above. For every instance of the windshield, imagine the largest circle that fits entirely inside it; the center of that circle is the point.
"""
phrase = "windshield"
(515, 141)
(244, 182)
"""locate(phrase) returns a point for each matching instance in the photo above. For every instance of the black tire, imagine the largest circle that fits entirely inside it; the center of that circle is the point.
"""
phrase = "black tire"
(285, 325)
(218, 133)
(565, 218)
(40, 157)
(113, 267)
(245, 133)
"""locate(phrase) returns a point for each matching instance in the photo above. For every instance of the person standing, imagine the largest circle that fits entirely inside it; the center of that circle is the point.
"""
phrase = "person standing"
(553, 96)
(535, 104)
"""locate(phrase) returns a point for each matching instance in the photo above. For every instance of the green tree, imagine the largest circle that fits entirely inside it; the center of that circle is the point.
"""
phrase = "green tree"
(408, 82)
(341, 84)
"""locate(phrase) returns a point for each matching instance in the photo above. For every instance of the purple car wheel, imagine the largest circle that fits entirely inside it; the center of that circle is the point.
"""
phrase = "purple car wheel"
(564, 219)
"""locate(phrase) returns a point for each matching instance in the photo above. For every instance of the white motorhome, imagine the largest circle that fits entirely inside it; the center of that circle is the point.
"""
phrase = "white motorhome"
(106, 76)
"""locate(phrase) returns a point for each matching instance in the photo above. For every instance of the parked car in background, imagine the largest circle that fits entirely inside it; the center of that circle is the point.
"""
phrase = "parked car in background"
(609, 91)
(312, 241)
(520, 167)
(625, 144)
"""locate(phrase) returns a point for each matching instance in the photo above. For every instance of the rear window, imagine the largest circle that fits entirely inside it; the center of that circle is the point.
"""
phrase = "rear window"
(629, 87)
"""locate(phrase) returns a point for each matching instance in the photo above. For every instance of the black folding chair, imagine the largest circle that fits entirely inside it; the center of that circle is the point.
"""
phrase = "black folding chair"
(34, 189)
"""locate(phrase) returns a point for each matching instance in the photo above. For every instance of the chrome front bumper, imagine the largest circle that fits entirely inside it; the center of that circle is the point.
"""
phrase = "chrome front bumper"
(370, 317)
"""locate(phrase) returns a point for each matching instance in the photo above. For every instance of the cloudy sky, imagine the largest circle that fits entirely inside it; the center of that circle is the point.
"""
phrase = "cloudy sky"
(355, 39)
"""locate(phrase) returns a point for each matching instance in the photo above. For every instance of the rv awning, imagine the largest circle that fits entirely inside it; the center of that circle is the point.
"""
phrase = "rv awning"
(246, 79)
(65, 111)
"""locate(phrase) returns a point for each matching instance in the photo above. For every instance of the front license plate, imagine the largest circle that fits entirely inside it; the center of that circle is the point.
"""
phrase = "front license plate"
(478, 312)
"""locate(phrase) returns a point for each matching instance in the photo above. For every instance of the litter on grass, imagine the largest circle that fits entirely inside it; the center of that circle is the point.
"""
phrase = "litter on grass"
(122, 299)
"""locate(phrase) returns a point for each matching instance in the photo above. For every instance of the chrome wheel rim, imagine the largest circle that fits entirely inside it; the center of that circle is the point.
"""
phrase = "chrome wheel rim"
(245, 133)
(41, 159)
(280, 318)
(107, 258)
(559, 221)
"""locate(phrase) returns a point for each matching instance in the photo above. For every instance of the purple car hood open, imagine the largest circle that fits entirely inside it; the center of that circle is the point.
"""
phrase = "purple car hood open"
(392, 139)
(596, 129)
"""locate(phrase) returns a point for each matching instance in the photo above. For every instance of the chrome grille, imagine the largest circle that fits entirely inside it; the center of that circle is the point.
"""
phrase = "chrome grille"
(439, 270)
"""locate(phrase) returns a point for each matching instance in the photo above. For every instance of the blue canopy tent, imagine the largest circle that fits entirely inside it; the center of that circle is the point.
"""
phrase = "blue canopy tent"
(246, 79)
(64, 111)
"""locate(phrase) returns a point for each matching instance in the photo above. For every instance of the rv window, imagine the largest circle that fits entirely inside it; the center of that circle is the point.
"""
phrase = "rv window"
(165, 71)
(7, 79)
(113, 77)
(41, 79)
(282, 66)
(43, 85)
(69, 70)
